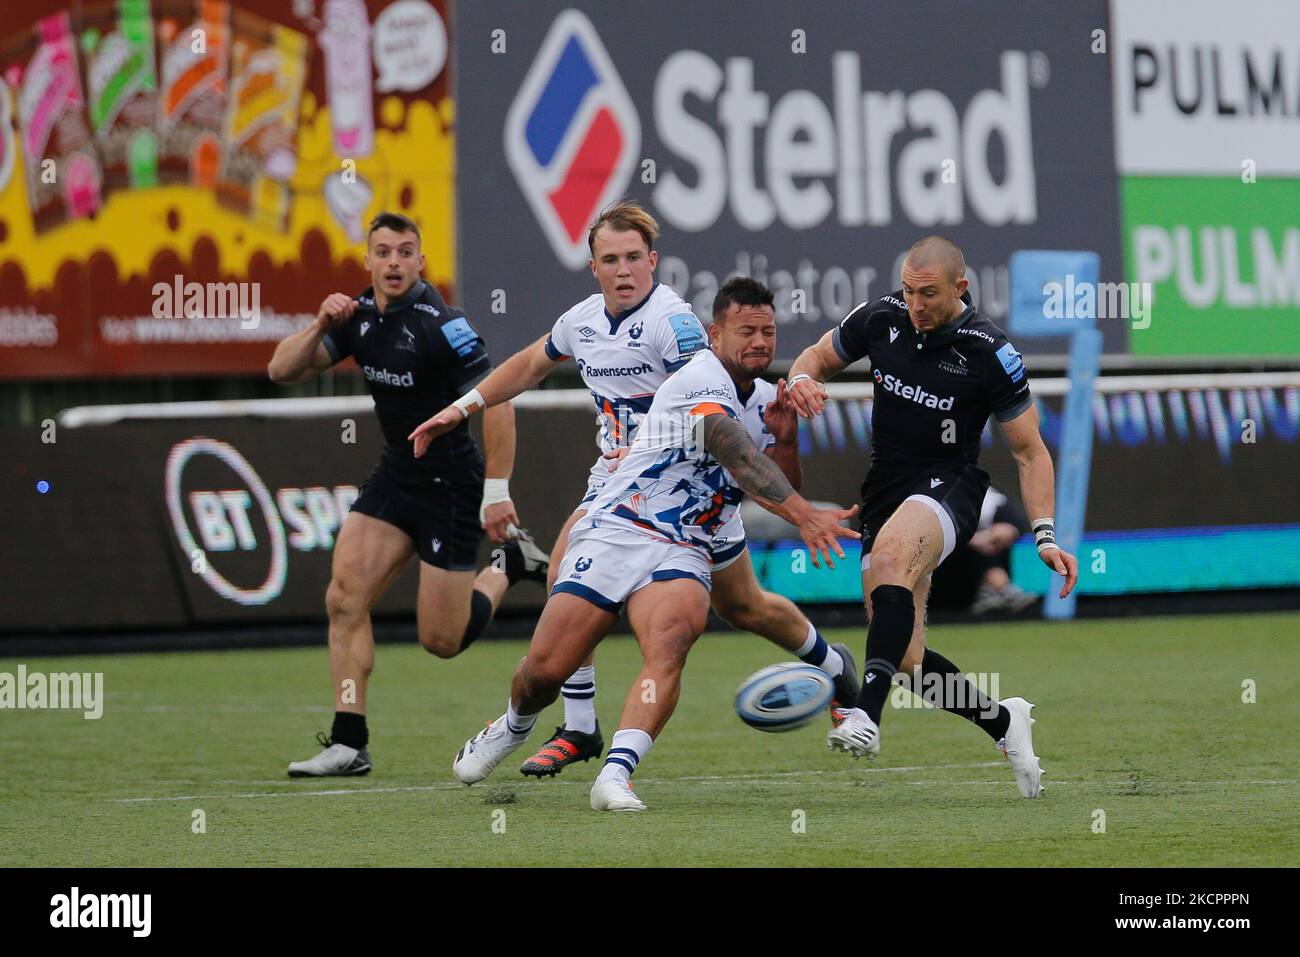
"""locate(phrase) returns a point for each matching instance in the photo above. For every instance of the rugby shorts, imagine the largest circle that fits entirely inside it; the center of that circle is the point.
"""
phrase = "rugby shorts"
(954, 493)
(606, 561)
(440, 515)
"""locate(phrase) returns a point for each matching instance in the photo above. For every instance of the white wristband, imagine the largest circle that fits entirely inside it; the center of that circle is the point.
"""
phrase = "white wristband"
(469, 403)
(1044, 533)
(495, 491)
(799, 378)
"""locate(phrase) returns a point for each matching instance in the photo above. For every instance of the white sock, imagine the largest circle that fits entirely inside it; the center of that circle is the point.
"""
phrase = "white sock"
(518, 724)
(627, 749)
(819, 654)
(580, 700)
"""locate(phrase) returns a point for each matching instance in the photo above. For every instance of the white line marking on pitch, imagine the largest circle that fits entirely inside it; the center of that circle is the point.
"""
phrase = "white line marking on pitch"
(693, 779)
(689, 779)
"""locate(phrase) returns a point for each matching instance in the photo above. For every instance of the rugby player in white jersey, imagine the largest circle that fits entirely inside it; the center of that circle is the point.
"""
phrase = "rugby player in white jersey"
(645, 542)
(627, 339)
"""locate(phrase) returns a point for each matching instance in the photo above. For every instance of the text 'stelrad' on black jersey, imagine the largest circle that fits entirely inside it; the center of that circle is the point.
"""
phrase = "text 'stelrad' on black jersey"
(418, 356)
(964, 371)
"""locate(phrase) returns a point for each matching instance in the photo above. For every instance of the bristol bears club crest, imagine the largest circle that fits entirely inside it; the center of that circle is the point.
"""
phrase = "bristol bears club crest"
(572, 135)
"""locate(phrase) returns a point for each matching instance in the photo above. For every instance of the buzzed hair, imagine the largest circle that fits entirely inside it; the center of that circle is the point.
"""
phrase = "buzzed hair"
(622, 216)
(394, 221)
(937, 251)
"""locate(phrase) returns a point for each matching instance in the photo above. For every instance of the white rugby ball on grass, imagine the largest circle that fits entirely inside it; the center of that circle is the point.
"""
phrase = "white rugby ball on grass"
(783, 697)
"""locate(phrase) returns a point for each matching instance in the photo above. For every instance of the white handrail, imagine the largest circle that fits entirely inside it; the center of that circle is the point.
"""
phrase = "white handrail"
(83, 415)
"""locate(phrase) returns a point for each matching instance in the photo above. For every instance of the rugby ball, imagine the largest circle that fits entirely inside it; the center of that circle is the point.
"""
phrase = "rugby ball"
(783, 697)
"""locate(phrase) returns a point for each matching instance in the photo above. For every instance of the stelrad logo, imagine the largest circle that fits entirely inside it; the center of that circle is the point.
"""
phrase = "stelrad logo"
(572, 135)
(915, 393)
(384, 377)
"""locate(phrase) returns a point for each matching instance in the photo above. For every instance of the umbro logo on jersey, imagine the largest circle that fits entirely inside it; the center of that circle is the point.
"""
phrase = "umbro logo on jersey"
(935, 483)
(893, 333)
(365, 327)
(572, 135)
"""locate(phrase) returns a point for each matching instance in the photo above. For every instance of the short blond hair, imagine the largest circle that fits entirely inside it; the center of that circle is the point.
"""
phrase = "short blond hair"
(938, 251)
(622, 216)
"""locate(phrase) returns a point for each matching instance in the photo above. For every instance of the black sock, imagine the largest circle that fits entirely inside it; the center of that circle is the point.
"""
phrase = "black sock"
(514, 562)
(350, 729)
(890, 632)
(952, 692)
(480, 613)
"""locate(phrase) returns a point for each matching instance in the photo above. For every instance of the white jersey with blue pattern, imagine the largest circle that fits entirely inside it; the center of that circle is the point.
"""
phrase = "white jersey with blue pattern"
(624, 360)
(751, 414)
(668, 486)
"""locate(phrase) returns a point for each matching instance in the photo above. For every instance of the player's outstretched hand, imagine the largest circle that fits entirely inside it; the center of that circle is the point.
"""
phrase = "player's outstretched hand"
(780, 416)
(1063, 563)
(821, 531)
(618, 455)
(499, 520)
(439, 425)
(337, 309)
(808, 396)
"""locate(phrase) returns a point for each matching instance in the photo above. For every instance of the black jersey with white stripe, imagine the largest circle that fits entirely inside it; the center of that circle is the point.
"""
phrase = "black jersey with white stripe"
(418, 356)
(934, 391)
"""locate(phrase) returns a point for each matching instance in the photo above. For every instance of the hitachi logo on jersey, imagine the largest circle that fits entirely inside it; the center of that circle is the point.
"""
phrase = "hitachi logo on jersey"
(975, 332)
(914, 392)
(585, 369)
(388, 378)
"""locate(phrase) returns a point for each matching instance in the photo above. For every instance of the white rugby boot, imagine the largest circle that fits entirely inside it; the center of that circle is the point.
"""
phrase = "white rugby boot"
(1018, 748)
(479, 756)
(335, 760)
(855, 733)
(615, 794)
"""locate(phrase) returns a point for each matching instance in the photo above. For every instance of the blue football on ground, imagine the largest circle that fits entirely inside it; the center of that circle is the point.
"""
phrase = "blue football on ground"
(783, 697)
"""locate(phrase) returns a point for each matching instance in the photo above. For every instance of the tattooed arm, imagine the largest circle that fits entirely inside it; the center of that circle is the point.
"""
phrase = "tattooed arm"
(728, 442)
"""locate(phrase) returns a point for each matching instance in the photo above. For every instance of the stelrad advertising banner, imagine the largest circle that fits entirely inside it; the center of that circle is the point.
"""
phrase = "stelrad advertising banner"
(806, 148)
(1207, 134)
(183, 181)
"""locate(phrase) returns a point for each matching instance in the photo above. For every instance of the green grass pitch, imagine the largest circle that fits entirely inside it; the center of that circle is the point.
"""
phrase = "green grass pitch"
(1142, 720)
